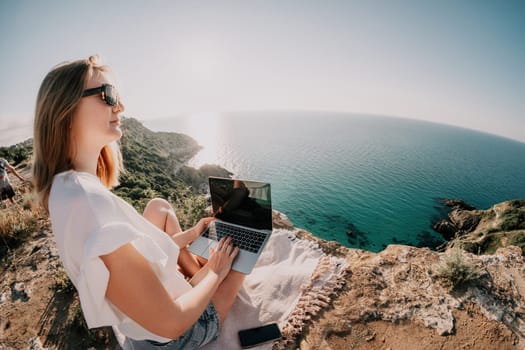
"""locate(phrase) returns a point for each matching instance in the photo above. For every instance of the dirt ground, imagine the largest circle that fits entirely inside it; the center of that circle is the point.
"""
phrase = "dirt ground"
(38, 309)
(35, 313)
(360, 316)
(473, 331)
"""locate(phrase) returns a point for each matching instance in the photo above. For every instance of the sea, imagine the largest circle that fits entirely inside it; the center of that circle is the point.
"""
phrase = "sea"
(364, 181)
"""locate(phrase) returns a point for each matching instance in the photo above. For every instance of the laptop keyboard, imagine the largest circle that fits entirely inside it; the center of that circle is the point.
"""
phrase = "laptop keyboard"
(243, 238)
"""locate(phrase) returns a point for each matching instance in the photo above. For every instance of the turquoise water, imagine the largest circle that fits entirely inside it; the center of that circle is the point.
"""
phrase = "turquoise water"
(379, 177)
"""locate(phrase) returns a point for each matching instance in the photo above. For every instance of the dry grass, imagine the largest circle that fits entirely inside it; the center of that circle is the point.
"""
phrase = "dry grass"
(19, 220)
(17, 224)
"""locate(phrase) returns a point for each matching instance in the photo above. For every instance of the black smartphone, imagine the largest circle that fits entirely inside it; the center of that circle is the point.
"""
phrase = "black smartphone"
(259, 335)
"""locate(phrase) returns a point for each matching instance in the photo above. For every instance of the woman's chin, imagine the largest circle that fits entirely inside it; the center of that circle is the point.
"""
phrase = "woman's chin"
(116, 132)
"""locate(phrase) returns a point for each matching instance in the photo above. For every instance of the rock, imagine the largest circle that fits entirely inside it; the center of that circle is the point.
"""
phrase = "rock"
(463, 217)
(458, 204)
(464, 220)
(280, 220)
(35, 344)
(446, 229)
(3, 251)
(371, 337)
(400, 284)
(510, 252)
(18, 292)
(484, 231)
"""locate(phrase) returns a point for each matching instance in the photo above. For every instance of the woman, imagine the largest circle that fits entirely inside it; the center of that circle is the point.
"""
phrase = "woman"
(124, 265)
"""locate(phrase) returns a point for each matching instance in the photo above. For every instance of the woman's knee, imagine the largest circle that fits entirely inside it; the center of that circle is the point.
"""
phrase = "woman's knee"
(158, 205)
(157, 211)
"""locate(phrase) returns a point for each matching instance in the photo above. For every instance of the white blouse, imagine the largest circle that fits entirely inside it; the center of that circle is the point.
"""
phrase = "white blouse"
(88, 221)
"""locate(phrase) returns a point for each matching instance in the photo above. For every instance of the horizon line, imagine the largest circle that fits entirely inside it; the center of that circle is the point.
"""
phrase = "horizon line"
(24, 123)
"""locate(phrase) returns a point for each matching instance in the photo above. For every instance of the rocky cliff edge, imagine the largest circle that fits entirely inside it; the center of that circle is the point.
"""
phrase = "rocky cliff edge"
(415, 298)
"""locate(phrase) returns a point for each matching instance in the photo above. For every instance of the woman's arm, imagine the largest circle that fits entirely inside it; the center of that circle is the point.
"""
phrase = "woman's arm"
(134, 289)
(13, 170)
(182, 239)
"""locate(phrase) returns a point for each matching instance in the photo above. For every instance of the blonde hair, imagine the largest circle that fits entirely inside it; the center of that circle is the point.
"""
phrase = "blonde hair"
(56, 103)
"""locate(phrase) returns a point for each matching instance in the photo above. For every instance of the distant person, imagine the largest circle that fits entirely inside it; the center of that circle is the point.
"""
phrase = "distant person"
(124, 265)
(6, 190)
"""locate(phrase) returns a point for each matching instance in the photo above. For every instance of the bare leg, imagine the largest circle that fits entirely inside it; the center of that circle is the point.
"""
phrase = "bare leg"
(161, 214)
(227, 293)
(201, 260)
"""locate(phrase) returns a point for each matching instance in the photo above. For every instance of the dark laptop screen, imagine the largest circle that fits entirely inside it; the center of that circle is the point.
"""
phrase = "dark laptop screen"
(246, 203)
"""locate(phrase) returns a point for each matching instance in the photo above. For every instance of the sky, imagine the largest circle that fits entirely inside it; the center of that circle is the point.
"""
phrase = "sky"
(452, 62)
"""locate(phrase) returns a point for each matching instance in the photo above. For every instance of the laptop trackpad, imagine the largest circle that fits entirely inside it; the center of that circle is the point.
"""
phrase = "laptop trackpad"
(201, 247)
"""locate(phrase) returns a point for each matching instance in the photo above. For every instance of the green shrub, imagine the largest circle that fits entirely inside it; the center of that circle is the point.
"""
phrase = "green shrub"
(518, 240)
(17, 154)
(517, 203)
(493, 229)
(513, 219)
(455, 272)
(490, 244)
(190, 209)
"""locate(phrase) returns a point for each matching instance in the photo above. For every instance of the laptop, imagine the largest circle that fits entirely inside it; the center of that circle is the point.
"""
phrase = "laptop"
(243, 210)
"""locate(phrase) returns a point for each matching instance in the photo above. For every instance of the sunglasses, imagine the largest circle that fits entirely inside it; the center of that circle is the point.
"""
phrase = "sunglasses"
(108, 93)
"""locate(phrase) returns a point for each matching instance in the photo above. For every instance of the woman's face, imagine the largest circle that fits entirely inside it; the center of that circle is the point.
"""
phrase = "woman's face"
(96, 123)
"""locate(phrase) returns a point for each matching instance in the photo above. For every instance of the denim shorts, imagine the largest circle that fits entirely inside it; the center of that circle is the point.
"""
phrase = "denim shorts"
(204, 331)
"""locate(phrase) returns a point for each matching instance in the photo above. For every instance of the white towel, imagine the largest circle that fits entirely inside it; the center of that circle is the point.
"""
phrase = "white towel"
(283, 277)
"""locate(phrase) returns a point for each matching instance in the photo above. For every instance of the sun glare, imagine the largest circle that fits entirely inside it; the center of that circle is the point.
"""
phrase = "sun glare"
(204, 128)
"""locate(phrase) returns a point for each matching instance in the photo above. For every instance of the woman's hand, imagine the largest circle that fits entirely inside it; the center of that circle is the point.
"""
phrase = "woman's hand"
(221, 258)
(199, 228)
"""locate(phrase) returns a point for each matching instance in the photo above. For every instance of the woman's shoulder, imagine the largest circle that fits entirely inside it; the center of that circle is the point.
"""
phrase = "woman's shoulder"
(75, 190)
(77, 183)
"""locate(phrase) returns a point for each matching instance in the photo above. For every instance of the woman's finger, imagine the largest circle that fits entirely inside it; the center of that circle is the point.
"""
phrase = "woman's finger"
(234, 252)
(227, 242)
(221, 243)
(229, 248)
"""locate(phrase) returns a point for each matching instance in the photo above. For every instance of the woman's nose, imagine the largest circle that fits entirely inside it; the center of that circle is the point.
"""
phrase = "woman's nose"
(119, 107)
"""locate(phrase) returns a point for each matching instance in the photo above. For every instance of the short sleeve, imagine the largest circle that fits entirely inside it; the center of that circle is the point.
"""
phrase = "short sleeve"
(94, 276)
